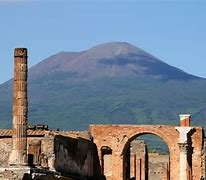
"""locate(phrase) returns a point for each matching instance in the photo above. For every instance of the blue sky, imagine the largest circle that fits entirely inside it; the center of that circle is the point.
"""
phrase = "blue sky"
(172, 30)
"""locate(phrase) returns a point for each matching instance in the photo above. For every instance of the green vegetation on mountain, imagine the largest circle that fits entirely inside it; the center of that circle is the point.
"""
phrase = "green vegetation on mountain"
(119, 84)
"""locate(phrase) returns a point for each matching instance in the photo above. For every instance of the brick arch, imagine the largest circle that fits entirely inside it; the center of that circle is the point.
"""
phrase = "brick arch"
(119, 136)
(168, 140)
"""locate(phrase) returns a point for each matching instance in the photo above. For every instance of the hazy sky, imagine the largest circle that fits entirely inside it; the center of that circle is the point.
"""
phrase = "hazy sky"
(172, 30)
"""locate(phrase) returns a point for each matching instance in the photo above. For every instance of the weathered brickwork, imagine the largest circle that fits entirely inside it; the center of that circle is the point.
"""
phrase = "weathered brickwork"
(144, 165)
(158, 166)
(138, 160)
(204, 160)
(5, 150)
(63, 154)
(118, 138)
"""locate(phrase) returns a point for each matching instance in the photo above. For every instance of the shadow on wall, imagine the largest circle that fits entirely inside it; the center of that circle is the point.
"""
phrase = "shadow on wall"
(76, 157)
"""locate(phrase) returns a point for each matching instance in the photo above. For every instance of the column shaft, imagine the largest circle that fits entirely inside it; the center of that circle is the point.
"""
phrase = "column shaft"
(183, 146)
(18, 155)
(183, 161)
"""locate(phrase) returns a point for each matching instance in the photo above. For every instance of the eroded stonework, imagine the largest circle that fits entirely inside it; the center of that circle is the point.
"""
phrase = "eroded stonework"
(18, 155)
(118, 138)
(65, 153)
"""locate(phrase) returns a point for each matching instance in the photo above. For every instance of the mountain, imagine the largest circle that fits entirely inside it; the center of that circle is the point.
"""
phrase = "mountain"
(110, 60)
(110, 83)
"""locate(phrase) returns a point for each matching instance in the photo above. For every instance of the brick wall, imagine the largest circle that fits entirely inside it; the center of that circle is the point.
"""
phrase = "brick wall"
(158, 166)
(118, 138)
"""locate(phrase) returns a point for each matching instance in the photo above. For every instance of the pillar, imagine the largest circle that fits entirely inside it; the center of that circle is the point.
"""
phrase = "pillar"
(183, 145)
(183, 161)
(133, 165)
(138, 169)
(18, 156)
(184, 119)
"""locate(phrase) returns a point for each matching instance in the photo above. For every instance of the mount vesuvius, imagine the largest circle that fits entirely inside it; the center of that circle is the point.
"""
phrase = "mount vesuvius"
(110, 83)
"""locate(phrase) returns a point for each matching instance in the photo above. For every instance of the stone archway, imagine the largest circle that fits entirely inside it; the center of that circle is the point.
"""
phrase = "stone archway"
(142, 161)
(106, 161)
(117, 137)
(169, 135)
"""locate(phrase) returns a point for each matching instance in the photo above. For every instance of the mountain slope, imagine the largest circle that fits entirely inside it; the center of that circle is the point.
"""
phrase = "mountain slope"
(109, 83)
(110, 59)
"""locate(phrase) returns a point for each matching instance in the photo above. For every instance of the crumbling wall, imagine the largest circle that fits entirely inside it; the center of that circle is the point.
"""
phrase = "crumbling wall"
(197, 147)
(5, 150)
(158, 166)
(204, 160)
(6, 147)
(47, 156)
(138, 160)
(73, 156)
(55, 152)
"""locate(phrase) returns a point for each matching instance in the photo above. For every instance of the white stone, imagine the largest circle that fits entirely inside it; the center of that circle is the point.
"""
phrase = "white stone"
(183, 133)
(184, 116)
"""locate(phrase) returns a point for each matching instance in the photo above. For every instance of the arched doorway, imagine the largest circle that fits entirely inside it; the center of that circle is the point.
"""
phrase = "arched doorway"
(146, 157)
(106, 161)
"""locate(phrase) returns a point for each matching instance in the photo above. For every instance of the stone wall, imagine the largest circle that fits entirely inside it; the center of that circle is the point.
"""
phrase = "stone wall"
(197, 146)
(73, 156)
(204, 160)
(158, 166)
(68, 156)
(6, 147)
(5, 150)
(79, 156)
(144, 165)
(138, 160)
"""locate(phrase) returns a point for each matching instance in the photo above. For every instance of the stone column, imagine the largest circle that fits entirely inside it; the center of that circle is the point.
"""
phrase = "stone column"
(138, 169)
(183, 161)
(183, 175)
(18, 156)
(132, 164)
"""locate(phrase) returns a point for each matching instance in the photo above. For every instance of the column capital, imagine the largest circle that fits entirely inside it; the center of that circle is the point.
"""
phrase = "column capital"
(20, 52)
(183, 133)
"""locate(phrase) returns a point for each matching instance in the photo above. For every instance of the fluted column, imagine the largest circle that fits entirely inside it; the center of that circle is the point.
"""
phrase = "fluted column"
(183, 161)
(18, 156)
(183, 146)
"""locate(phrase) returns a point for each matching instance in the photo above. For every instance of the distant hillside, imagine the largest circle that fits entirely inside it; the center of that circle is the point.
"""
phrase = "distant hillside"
(110, 83)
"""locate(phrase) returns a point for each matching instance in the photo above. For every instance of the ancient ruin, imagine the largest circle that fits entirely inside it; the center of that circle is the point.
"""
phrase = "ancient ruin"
(18, 155)
(103, 152)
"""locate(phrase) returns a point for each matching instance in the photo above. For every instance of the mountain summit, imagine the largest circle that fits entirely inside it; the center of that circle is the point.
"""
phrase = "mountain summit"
(112, 59)
(110, 83)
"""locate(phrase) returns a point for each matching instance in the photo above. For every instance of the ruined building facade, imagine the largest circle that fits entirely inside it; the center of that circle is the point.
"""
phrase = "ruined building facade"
(103, 152)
